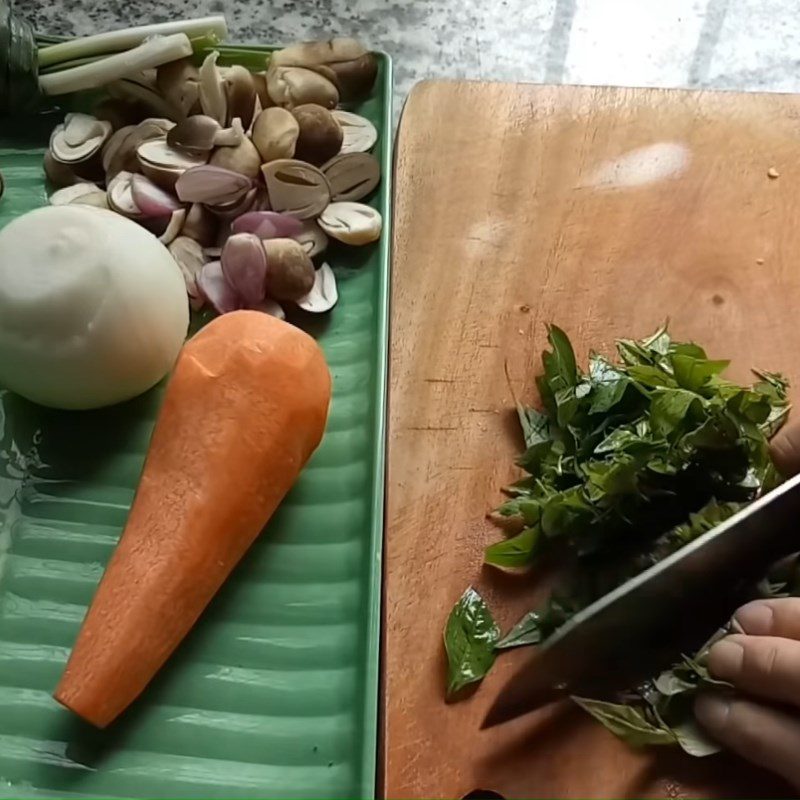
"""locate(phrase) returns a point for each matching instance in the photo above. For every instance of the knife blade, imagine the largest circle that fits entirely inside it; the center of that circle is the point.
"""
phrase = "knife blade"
(647, 623)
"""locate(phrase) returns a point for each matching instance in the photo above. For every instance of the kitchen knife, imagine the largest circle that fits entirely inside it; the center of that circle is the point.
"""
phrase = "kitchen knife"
(645, 625)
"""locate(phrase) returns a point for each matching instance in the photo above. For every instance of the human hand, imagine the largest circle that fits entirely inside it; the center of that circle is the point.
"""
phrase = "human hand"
(762, 721)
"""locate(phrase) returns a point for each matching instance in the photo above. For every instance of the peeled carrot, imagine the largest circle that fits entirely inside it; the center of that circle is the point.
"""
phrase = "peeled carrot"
(244, 410)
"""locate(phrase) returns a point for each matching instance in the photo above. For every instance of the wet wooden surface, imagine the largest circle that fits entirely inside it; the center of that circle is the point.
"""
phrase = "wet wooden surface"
(605, 211)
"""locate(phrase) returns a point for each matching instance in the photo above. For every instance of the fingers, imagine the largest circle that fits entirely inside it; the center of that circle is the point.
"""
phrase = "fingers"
(779, 617)
(763, 735)
(785, 449)
(766, 666)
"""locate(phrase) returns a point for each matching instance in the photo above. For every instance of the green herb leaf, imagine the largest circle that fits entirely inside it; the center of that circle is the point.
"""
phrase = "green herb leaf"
(517, 552)
(469, 639)
(629, 723)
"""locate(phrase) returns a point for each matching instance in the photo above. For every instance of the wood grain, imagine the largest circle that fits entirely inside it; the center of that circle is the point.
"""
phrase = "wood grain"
(513, 209)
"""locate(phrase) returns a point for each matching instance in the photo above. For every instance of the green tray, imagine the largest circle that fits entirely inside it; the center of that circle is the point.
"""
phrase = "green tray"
(275, 691)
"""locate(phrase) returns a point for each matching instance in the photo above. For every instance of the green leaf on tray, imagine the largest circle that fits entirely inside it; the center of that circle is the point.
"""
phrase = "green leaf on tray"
(469, 639)
(627, 463)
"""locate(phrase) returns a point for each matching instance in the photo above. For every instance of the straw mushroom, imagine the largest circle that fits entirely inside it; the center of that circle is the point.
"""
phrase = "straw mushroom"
(179, 83)
(164, 164)
(201, 225)
(120, 195)
(213, 96)
(294, 86)
(323, 295)
(343, 61)
(275, 133)
(351, 223)
(78, 138)
(119, 152)
(312, 238)
(290, 273)
(360, 134)
(59, 174)
(352, 176)
(241, 94)
(85, 194)
(201, 134)
(144, 95)
(244, 158)
(320, 135)
(296, 187)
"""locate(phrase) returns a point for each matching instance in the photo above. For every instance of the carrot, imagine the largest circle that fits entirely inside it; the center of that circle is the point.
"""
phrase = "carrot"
(244, 410)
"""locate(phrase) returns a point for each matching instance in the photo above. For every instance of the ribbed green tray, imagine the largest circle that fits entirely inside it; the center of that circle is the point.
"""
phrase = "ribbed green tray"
(275, 692)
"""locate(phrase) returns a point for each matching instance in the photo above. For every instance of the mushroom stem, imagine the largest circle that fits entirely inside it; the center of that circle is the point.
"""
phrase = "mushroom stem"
(151, 53)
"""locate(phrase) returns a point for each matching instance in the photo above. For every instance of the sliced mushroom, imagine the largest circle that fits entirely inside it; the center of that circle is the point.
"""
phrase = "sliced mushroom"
(174, 226)
(269, 306)
(179, 83)
(201, 134)
(200, 225)
(85, 194)
(312, 238)
(344, 61)
(120, 195)
(119, 152)
(320, 136)
(275, 133)
(241, 94)
(294, 86)
(190, 258)
(296, 188)
(243, 159)
(260, 85)
(164, 164)
(234, 208)
(59, 174)
(323, 295)
(352, 176)
(78, 138)
(354, 79)
(212, 185)
(360, 134)
(290, 273)
(351, 223)
(140, 93)
(213, 97)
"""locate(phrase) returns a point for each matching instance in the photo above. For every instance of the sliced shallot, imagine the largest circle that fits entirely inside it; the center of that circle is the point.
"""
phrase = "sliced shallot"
(213, 185)
(220, 295)
(244, 265)
(267, 225)
(151, 199)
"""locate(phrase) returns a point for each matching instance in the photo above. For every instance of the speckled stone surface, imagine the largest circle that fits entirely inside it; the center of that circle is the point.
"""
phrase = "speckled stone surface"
(733, 44)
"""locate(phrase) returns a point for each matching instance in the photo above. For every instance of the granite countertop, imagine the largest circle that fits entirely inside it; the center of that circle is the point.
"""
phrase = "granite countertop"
(730, 44)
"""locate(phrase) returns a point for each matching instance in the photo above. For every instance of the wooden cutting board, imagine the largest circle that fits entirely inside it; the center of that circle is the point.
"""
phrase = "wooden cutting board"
(605, 211)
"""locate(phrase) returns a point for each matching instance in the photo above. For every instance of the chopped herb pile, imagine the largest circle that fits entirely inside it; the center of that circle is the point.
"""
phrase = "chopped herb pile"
(627, 462)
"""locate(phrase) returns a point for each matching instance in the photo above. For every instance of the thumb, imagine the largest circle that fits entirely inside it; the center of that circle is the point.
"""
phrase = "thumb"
(785, 449)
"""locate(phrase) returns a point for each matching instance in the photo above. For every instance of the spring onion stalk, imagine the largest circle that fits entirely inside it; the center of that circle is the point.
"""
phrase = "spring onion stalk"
(117, 41)
(151, 53)
(34, 65)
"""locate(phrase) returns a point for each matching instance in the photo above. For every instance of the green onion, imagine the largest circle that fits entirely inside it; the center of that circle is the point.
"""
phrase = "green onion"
(33, 66)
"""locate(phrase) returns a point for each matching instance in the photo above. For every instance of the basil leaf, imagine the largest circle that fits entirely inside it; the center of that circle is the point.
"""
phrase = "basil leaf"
(629, 723)
(515, 553)
(469, 639)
